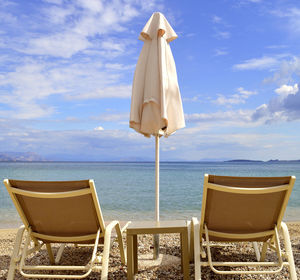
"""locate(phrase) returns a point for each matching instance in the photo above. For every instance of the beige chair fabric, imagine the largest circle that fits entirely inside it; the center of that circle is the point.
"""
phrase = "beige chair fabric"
(60, 212)
(156, 106)
(236, 209)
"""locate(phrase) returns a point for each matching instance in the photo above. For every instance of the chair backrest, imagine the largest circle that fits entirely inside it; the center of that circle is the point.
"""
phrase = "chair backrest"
(244, 205)
(57, 208)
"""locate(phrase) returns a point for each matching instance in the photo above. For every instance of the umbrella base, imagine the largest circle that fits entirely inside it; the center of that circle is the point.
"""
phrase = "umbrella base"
(155, 246)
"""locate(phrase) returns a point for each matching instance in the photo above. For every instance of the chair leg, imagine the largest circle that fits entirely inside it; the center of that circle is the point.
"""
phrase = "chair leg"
(105, 259)
(121, 244)
(15, 254)
(263, 252)
(257, 253)
(60, 252)
(288, 249)
(50, 253)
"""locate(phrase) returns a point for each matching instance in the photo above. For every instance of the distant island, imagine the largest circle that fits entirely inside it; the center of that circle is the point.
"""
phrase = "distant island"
(34, 157)
(243, 160)
(255, 161)
(19, 156)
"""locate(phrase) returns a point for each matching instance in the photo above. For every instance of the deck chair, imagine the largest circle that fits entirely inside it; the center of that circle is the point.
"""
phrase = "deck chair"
(60, 212)
(236, 209)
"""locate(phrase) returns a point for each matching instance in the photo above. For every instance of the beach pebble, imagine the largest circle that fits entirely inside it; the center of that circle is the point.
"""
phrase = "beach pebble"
(169, 245)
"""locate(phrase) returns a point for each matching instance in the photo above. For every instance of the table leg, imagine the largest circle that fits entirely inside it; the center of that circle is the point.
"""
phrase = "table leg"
(135, 254)
(185, 254)
(181, 247)
(130, 258)
(191, 240)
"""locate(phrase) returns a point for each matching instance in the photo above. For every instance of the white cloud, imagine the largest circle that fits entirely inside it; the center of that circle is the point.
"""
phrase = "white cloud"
(62, 45)
(79, 22)
(168, 148)
(191, 57)
(241, 3)
(118, 66)
(71, 49)
(7, 18)
(216, 19)
(116, 117)
(30, 84)
(58, 2)
(287, 72)
(189, 35)
(220, 28)
(75, 144)
(260, 112)
(222, 34)
(265, 62)
(99, 128)
(110, 45)
(246, 93)
(221, 22)
(274, 47)
(119, 91)
(194, 143)
(285, 90)
(59, 15)
(219, 52)
(234, 99)
(196, 98)
(92, 5)
(221, 118)
(284, 107)
(209, 138)
(293, 16)
(2, 45)
(151, 5)
(29, 110)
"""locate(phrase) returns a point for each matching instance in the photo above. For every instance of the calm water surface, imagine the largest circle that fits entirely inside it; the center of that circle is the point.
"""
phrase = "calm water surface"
(127, 190)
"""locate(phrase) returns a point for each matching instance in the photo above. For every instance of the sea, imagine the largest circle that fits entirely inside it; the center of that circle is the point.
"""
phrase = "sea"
(126, 190)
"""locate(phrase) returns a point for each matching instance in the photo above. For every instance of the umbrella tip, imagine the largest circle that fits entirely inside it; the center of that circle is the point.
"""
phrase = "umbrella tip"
(158, 14)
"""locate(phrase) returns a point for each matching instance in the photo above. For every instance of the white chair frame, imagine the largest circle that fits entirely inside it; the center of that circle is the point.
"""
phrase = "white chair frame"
(21, 252)
(199, 228)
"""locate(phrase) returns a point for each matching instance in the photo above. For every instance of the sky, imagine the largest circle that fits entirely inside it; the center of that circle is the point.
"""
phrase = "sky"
(67, 69)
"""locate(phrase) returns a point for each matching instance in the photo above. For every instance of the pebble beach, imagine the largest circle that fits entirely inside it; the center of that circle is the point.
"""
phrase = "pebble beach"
(169, 267)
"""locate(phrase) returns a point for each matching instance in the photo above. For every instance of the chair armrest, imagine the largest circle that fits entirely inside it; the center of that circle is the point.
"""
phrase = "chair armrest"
(110, 226)
(124, 228)
(194, 223)
(108, 230)
(106, 248)
(197, 237)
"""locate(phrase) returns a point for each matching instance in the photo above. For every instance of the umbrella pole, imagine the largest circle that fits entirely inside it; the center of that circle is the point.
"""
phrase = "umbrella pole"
(156, 236)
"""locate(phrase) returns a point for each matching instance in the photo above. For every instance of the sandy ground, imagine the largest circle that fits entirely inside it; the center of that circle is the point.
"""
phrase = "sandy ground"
(169, 267)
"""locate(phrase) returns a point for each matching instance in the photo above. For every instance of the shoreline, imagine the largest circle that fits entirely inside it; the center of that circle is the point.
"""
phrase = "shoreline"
(169, 246)
(16, 228)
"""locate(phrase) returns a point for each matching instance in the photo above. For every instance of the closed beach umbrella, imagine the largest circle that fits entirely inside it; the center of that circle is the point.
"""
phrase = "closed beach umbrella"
(156, 107)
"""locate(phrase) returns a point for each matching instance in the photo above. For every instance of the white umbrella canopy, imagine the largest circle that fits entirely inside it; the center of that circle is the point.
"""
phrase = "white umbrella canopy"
(156, 107)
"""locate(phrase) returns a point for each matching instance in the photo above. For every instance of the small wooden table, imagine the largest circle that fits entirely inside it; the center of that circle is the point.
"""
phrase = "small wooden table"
(152, 227)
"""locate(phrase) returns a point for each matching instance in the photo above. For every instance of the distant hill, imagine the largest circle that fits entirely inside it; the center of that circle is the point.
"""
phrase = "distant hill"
(243, 160)
(18, 156)
(278, 160)
(270, 161)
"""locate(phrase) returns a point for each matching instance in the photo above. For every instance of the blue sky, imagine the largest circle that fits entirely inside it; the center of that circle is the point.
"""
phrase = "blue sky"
(67, 69)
